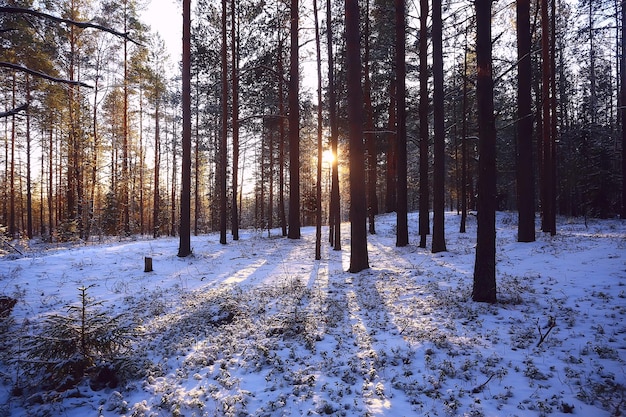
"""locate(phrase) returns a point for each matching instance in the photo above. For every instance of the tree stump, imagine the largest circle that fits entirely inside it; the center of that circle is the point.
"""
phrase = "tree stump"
(147, 264)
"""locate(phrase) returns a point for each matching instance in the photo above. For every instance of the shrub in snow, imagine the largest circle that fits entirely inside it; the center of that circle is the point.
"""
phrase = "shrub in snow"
(85, 342)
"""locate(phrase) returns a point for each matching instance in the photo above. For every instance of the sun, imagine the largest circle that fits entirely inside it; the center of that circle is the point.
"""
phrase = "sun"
(328, 157)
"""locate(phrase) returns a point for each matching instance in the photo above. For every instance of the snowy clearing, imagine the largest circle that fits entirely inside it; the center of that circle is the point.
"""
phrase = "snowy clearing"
(258, 328)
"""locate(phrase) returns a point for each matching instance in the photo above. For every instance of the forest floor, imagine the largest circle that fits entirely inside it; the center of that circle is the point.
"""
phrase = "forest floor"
(257, 327)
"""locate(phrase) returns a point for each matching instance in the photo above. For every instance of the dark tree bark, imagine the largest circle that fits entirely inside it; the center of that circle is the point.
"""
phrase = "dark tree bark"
(281, 143)
(623, 107)
(29, 196)
(184, 248)
(484, 289)
(464, 140)
(318, 188)
(370, 136)
(223, 156)
(156, 209)
(126, 140)
(402, 233)
(358, 209)
(72, 22)
(12, 220)
(424, 222)
(392, 169)
(235, 88)
(335, 207)
(439, 172)
(553, 117)
(548, 209)
(525, 171)
(294, 128)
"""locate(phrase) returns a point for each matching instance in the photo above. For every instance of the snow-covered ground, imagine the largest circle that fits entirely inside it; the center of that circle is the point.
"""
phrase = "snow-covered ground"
(257, 327)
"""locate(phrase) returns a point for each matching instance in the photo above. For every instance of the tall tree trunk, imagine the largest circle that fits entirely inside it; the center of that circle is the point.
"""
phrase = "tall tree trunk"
(42, 222)
(50, 183)
(270, 159)
(156, 208)
(235, 88)
(223, 160)
(358, 210)
(553, 117)
(464, 143)
(549, 222)
(439, 172)
(173, 186)
(126, 133)
(12, 220)
(294, 127)
(484, 289)
(197, 164)
(184, 248)
(370, 135)
(623, 107)
(402, 233)
(318, 188)
(392, 169)
(142, 161)
(524, 162)
(335, 206)
(281, 143)
(29, 196)
(424, 221)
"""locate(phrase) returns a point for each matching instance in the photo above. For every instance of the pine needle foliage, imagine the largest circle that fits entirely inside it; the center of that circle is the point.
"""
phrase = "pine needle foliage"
(82, 343)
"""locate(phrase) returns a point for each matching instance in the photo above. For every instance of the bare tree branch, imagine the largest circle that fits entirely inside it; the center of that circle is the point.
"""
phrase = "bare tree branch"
(13, 111)
(82, 25)
(17, 67)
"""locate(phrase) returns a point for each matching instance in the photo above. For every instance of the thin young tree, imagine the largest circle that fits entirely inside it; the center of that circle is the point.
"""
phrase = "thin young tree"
(525, 172)
(223, 157)
(439, 172)
(235, 111)
(358, 210)
(464, 139)
(318, 188)
(335, 207)
(294, 127)
(370, 135)
(184, 247)
(391, 174)
(484, 289)
(281, 141)
(424, 223)
(402, 233)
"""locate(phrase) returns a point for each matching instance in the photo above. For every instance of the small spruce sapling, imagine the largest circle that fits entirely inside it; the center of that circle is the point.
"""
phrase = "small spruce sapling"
(85, 341)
